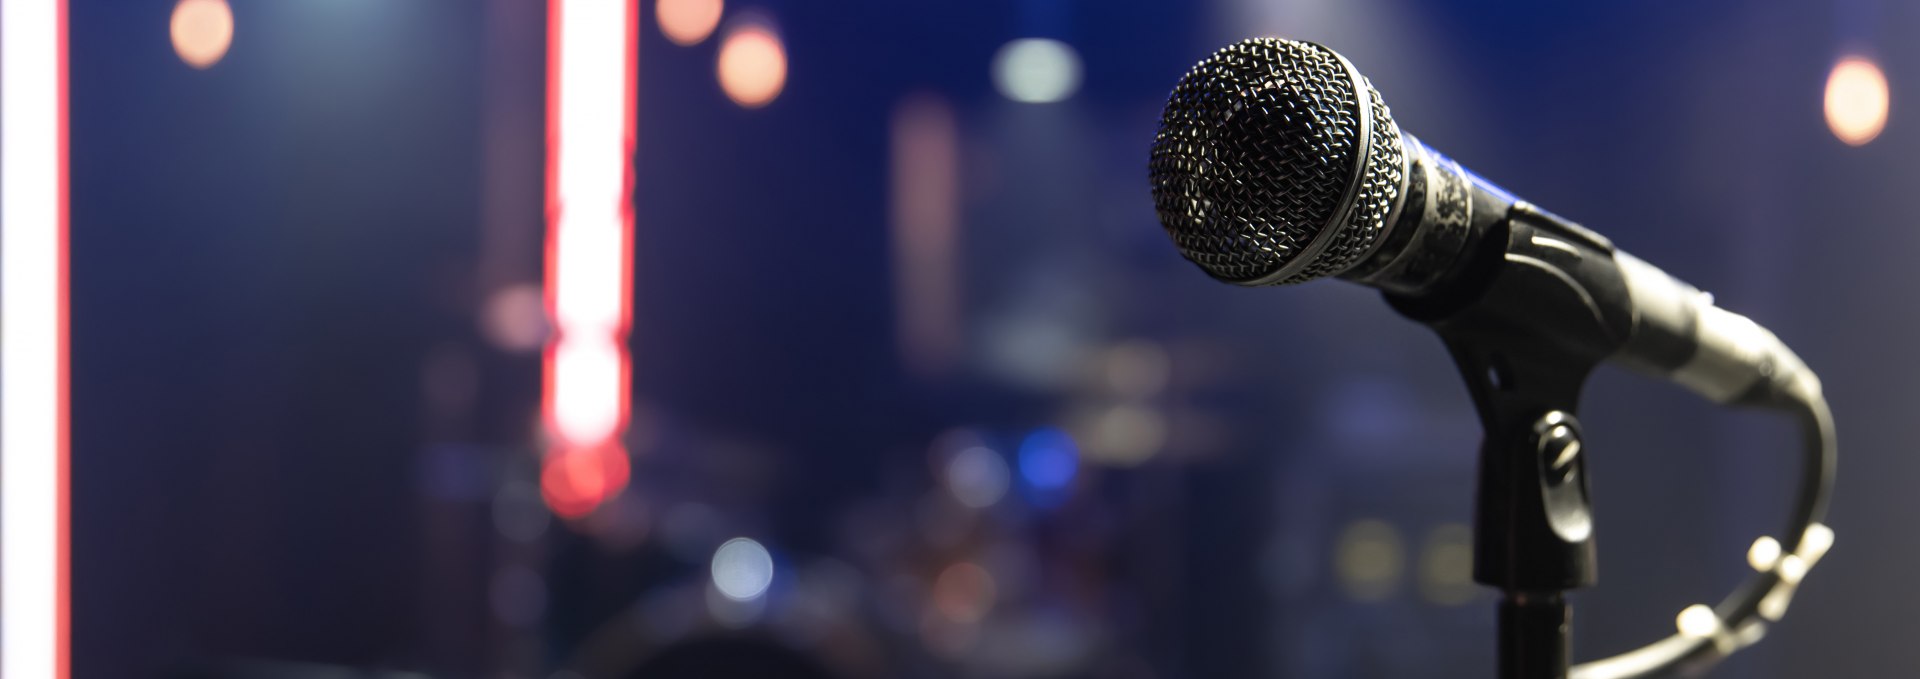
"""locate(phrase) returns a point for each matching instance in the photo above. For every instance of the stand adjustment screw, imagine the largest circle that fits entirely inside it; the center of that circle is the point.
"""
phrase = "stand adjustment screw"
(1559, 445)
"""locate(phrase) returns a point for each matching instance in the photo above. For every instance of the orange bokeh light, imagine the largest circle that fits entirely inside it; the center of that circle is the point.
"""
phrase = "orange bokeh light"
(753, 66)
(1856, 101)
(687, 22)
(202, 31)
(964, 593)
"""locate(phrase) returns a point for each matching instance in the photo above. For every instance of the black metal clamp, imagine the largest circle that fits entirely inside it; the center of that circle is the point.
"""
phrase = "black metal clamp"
(1547, 306)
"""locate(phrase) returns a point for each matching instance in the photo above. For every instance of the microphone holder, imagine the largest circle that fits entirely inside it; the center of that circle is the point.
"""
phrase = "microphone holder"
(1533, 521)
(1539, 306)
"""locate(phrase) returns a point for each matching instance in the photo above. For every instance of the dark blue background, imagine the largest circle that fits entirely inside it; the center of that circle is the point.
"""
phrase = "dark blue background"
(266, 253)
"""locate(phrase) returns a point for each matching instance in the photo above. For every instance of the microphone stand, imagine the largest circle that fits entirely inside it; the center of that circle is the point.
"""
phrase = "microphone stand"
(1540, 306)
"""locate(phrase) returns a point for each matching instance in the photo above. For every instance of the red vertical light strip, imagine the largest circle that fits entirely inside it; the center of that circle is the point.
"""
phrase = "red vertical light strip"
(592, 54)
(63, 392)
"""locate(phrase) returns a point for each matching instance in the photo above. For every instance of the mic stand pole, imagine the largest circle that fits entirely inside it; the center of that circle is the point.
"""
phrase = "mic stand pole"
(1533, 526)
(1542, 306)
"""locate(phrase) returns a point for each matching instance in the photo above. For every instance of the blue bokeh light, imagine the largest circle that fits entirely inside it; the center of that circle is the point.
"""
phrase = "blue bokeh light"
(1049, 459)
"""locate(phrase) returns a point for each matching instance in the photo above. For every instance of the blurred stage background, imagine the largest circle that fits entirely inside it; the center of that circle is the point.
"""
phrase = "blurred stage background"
(918, 388)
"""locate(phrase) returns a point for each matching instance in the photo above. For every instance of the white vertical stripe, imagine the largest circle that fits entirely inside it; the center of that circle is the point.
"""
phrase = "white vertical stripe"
(29, 336)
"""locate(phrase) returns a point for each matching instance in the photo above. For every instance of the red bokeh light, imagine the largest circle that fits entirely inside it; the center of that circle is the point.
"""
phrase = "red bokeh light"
(574, 482)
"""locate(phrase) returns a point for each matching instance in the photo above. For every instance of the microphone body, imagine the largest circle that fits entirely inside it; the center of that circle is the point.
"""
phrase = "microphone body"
(1278, 163)
(1673, 331)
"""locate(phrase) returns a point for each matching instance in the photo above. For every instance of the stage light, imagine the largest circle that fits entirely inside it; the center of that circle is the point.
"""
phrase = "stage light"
(591, 75)
(977, 477)
(1856, 101)
(575, 481)
(752, 66)
(202, 31)
(964, 593)
(1368, 560)
(34, 434)
(1446, 565)
(590, 291)
(1125, 435)
(588, 391)
(925, 216)
(515, 318)
(1036, 70)
(742, 569)
(687, 22)
(1035, 344)
(1048, 459)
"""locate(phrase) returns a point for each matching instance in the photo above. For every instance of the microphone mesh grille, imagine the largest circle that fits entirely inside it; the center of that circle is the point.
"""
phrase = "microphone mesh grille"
(1256, 154)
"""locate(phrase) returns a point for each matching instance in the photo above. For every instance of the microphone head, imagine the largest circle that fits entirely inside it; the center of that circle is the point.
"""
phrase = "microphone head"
(1276, 163)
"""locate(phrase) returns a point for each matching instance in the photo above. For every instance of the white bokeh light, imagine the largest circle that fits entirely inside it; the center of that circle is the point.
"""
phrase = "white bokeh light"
(742, 569)
(1036, 70)
(978, 477)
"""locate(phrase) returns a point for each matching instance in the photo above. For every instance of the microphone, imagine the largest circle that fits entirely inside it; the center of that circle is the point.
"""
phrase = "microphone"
(1277, 163)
